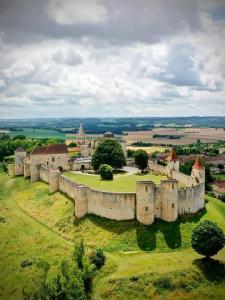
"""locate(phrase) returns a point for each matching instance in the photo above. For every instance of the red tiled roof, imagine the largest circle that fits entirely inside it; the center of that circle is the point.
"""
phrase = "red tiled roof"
(198, 164)
(172, 156)
(50, 149)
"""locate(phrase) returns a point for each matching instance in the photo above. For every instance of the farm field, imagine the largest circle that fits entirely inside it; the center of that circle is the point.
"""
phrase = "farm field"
(142, 261)
(120, 183)
(38, 133)
(187, 136)
(149, 150)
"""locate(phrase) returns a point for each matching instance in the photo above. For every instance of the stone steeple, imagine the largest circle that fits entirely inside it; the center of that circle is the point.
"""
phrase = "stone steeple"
(81, 135)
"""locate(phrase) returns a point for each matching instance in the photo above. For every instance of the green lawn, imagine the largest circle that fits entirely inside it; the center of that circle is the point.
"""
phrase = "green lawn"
(142, 261)
(220, 176)
(39, 133)
(120, 183)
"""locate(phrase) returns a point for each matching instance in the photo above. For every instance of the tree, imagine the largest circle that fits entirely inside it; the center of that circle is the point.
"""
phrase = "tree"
(208, 178)
(141, 159)
(19, 137)
(98, 258)
(106, 172)
(207, 238)
(220, 166)
(72, 280)
(130, 153)
(108, 152)
(72, 144)
(186, 168)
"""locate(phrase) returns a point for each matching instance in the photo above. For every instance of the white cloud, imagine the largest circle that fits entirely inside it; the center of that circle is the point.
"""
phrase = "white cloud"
(73, 77)
(72, 12)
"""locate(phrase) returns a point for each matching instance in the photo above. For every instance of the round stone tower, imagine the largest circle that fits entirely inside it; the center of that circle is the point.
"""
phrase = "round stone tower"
(145, 202)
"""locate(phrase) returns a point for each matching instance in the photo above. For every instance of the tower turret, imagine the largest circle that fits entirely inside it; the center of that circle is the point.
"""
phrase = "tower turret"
(173, 161)
(198, 170)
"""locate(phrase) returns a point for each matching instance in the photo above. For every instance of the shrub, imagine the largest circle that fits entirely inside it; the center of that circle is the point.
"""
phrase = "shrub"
(72, 144)
(141, 159)
(72, 279)
(98, 258)
(19, 137)
(106, 172)
(207, 238)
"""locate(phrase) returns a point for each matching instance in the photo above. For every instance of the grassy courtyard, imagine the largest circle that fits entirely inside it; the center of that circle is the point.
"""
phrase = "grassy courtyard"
(142, 261)
(120, 183)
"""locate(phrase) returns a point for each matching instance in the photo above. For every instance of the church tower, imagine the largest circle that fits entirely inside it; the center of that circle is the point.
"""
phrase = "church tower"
(198, 170)
(81, 135)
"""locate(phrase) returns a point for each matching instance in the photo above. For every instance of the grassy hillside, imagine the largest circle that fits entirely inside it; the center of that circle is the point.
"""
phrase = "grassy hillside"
(35, 224)
(57, 212)
(23, 238)
(120, 183)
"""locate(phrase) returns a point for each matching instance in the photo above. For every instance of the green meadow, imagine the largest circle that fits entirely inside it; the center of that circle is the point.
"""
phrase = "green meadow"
(142, 261)
(120, 183)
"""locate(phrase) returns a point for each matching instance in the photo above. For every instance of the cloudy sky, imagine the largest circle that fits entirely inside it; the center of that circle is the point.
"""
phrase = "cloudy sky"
(71, 58)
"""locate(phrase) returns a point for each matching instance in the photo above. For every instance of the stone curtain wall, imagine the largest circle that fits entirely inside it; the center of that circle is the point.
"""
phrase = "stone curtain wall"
(191, 199)
(117, 206)
(183, 178)
(44, 174)
(164, 201)
(158, 168)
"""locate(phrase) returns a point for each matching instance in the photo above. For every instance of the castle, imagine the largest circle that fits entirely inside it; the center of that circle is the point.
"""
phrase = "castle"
(178, 195)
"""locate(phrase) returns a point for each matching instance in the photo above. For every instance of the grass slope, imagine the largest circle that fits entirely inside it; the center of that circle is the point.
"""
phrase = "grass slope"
(120, 183)
(57, 212)
(23, 238)
(37, 223)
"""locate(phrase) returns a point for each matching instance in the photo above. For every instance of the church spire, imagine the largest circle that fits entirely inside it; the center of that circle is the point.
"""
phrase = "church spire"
(81, 134)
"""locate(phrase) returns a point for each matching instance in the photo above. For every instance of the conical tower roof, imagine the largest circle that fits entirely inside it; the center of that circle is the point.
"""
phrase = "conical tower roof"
(172, 156)
(198, 164)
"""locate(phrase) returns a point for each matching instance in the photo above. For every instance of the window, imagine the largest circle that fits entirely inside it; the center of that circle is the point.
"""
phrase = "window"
(47, 163)
(172, 205)
(146, 208)
(146, 188)
(53, 159)
(172, 185)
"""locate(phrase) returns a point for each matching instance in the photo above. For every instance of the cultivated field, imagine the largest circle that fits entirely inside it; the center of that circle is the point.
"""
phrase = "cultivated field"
(142, 261)
(38, 133)
(149, 150)
(187, 136)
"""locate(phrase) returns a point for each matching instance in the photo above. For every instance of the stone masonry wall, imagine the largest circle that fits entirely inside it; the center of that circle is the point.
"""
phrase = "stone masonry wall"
(44, 173)
(117, 206)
